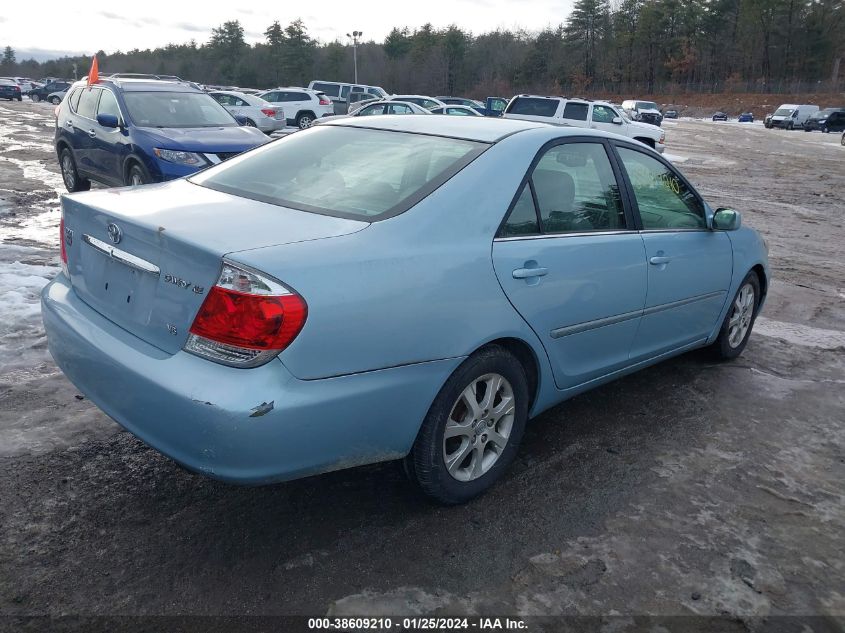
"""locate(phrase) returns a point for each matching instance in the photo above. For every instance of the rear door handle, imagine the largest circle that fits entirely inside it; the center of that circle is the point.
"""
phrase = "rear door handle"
(69, 123)
(527, 273)
(657, 261)
(92, 133)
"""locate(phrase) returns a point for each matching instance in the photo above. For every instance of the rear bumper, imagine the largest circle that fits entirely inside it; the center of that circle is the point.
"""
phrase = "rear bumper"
(206, 416)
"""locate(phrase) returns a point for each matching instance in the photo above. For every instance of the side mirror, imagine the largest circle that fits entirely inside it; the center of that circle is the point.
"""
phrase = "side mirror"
(108, 120)
(617, 120)
(726, 219)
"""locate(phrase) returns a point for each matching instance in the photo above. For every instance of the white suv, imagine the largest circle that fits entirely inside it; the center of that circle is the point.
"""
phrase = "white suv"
(598, 115)
(302, 106)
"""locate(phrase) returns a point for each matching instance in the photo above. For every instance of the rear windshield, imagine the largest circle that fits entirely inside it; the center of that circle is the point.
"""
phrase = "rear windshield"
(533, 106)
(332, 170)
(176, 109)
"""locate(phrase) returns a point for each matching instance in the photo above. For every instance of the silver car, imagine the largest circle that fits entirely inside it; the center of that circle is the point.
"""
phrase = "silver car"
(267, 117)
(382, 106)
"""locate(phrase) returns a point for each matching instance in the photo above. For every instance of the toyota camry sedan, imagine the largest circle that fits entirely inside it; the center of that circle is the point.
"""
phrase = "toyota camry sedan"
(302, 308)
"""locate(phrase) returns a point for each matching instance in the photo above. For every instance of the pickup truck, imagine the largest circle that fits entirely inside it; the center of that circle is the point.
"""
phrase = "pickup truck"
(598, 115)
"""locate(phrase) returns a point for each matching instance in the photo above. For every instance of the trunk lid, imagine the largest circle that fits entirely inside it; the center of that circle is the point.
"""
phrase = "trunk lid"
(146, 257)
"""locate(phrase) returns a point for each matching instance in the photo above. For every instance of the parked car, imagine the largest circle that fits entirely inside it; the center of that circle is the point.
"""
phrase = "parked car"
(380, 107)
(56, 97)
(494, 106)
(421, 100)
(42, 93)
(204, 314)
(599, 115)
(827, 120)
(789, 116)
(302, 106)
(670, 114)
(339, 92)
(132, 132)
(643, 111)
(720, 116)
(746, 117)
(9, 89)
(456, 110)
(358, 99)
(255, 111)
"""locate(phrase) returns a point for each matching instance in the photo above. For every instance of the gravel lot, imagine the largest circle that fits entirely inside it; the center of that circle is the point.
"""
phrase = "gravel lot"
(688, 488)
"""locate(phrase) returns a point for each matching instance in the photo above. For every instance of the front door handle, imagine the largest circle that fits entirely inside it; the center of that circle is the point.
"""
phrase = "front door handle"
(527, 273)
(69, 123)
(92, 133)
(659, 260)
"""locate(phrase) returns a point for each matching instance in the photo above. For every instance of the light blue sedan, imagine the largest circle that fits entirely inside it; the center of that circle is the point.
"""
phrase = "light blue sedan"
(303, 308)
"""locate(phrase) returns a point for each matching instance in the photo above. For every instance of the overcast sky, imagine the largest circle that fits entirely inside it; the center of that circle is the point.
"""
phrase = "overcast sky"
(39, 27)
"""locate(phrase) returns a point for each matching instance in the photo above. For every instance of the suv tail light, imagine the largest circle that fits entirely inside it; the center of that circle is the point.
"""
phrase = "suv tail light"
(268, 112)
(246, 319)
(325, 100)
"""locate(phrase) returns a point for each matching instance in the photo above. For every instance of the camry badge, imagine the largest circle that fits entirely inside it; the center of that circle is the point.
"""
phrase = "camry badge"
(115, 234)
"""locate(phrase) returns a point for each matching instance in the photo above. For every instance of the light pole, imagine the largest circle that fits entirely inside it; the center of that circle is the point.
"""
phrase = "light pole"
(355, 35)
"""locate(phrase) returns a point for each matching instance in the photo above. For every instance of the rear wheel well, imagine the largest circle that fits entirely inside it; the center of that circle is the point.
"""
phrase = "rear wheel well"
(526, 357)
(647, 141)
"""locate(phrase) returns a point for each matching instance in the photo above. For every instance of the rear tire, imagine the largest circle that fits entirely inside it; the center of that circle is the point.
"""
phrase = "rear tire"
(739, 321)
(55, 101)
(304, 120)
(73, 181)
(484, 406)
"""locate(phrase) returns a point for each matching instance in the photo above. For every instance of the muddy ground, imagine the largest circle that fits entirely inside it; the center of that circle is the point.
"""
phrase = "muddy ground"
(688, 488)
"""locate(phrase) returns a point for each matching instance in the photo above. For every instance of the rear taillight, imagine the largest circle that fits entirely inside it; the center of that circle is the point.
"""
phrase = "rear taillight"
(246, 319)
(268, 112)
(325, 101)
(62, 238)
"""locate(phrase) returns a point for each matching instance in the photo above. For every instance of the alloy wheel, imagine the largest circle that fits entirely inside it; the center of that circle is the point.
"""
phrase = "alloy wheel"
(68, 171)
(743, 312)
(479, 427)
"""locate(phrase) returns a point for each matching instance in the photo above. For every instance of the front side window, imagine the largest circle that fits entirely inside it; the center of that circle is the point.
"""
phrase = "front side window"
(664, 201)
(575, 111)
(176, 109)
(108, 104)
(330, 170)
(378, 108)
(272, 97)
(87, 105)
(398, 108)
(458, 111)
(603, 114)
(575, 191)
(344, 92)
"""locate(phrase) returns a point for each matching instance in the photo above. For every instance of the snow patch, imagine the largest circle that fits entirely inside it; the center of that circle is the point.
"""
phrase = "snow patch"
(797, 334)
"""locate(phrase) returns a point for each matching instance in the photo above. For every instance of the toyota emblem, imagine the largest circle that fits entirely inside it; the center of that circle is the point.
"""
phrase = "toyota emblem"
(115, 234)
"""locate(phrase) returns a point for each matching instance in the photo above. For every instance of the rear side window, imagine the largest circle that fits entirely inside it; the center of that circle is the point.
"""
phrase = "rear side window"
(533, 106)
(333, 90)
(344, 92)
(296, 96)
(272, 97)
(330, 170)
(74, 99)
(575, 191)
(575, 111)
(664, 201)
(87, 105)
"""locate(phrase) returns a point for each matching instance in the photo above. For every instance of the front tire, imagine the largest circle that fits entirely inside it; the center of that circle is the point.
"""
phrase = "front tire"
(34, 98)
(739, 321)
(473, 429)
(55, 101)
(137, 175)
(73, 181)
(250, 123)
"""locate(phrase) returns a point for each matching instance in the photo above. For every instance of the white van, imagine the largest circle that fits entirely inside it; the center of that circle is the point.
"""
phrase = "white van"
(790, 116)
(338, 92)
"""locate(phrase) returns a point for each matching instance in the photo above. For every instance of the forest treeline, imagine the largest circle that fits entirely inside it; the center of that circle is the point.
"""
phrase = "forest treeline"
(642, 46)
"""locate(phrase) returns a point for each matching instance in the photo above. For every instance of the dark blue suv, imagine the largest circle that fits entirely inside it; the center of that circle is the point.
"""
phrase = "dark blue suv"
(131, 132)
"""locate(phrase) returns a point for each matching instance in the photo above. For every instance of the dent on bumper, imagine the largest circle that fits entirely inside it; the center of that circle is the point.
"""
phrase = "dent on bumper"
(246, 426)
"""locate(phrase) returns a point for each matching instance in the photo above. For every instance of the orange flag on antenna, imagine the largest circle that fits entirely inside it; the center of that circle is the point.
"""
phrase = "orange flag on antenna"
(93, 74)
